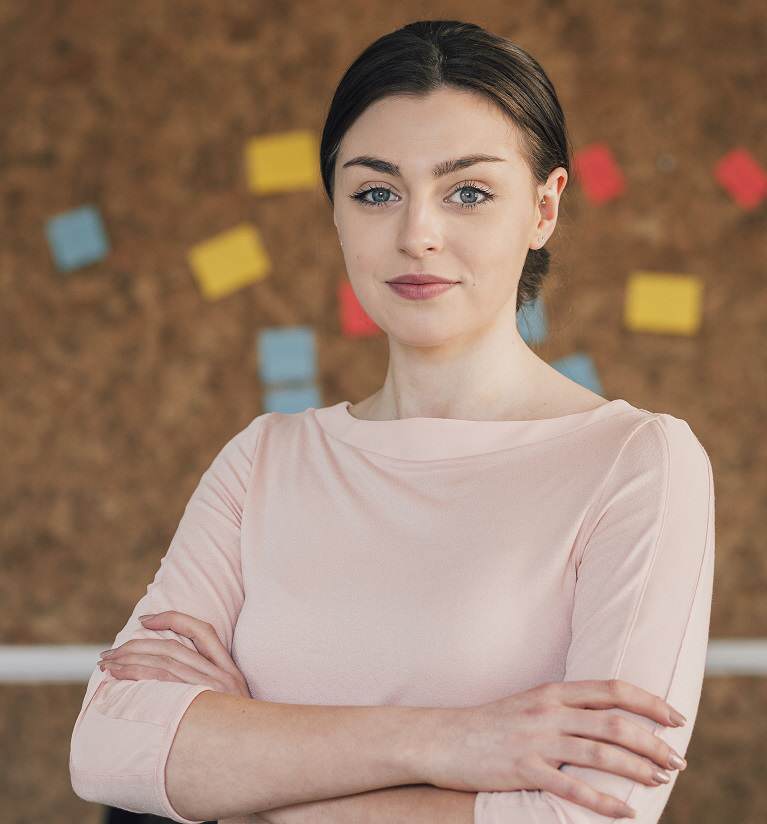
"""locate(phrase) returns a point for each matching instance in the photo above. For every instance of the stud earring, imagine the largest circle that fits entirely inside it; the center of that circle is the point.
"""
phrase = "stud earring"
(540, 237)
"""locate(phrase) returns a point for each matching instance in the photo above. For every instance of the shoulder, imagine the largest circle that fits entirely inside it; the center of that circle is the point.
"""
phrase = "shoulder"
(660, 479)
(663, 464)
(237, 455)
(276, 429)
(643, 434)
(669, 438)
(654, 456)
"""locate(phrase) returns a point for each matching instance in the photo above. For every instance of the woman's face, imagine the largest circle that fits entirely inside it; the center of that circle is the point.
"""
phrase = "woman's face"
(473, 225)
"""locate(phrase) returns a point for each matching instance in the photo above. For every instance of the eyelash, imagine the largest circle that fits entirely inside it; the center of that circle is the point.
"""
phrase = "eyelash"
(360, 196)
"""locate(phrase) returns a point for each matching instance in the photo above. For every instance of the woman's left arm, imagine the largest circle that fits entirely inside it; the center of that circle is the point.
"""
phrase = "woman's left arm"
(644, 579)
(644, 583)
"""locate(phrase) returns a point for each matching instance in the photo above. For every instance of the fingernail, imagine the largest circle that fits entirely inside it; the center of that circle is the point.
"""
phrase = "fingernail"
(142, 617)
(106, 653)
(676, 762)
(661, 777)
(677, 719)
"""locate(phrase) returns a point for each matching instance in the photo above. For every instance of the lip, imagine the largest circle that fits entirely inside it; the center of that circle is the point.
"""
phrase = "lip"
(420, 291)
(412, 277)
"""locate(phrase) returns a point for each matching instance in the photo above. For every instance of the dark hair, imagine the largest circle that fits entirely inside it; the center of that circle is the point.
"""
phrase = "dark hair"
(425, 55)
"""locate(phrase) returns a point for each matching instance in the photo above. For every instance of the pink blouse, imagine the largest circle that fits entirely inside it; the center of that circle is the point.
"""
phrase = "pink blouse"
(429, 562)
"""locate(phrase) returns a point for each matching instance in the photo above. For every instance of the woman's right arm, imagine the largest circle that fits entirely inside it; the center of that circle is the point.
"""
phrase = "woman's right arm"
(123, 734)
(148, 745)
(234, 755)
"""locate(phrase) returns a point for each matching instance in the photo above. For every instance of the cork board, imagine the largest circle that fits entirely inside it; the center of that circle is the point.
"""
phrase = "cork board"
(120, 383)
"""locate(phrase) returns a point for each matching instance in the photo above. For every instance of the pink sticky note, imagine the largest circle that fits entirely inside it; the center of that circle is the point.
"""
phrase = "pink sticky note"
(740, 174)
(355, 321)
(600, 176)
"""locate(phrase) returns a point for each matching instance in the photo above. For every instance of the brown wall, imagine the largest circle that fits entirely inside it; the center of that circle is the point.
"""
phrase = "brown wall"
(120, 382)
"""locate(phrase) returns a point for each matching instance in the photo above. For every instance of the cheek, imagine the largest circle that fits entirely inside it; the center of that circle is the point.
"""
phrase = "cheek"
(367, 260)
(502, 239)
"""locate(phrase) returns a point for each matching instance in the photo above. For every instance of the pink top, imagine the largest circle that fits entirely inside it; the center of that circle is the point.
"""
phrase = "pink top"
(429, 562)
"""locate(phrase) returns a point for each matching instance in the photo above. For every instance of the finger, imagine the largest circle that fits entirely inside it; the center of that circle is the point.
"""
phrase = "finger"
(138, 672)
(169, 647)
(594, 754)
(601, 695)
(579, 792)
(183, 672)
(201, 633)
(616, 729)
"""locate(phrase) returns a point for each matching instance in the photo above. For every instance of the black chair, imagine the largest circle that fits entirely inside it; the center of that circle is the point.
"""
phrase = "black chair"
(114, 815)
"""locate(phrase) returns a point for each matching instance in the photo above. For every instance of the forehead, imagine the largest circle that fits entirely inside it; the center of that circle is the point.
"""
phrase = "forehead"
(420, 132)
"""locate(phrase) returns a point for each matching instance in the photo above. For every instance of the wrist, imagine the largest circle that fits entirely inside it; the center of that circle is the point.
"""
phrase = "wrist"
(425, 734)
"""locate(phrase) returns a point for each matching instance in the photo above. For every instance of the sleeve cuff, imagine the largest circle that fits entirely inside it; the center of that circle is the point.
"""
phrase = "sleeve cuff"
(170, 733)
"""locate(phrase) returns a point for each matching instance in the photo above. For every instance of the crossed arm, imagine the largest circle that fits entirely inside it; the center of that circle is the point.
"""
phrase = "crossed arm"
(652, 528)
(414, 803)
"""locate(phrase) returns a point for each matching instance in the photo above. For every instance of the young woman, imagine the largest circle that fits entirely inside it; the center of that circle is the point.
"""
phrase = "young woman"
(480, 594)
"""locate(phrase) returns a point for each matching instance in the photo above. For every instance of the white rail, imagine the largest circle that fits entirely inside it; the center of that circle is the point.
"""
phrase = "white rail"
(73, 663)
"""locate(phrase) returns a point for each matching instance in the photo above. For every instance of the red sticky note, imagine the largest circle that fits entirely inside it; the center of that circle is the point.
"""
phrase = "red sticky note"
(740, 174)
(355, 321)
(599, 174)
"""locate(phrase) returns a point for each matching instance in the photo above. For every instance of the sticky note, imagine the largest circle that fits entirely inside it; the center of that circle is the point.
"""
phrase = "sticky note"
(228, 261)
(531, 321)
(580, 368)
(598, 173)
(740, 174)
(77, 238)
(282, 162)
(663, 302)
(292, 399)
(355, 321)
(287, 353)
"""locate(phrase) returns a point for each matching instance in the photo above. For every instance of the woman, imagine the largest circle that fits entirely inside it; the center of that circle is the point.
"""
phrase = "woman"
(482, 538)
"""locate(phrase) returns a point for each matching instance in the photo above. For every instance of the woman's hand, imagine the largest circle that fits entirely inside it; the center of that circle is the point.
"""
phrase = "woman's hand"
(166, 659)
(519, 742)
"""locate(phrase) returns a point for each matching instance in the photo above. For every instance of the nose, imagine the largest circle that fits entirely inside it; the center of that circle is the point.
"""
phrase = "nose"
(421, 228)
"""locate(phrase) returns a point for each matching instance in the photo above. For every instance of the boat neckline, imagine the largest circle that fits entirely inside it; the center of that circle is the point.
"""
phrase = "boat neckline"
(427, 438)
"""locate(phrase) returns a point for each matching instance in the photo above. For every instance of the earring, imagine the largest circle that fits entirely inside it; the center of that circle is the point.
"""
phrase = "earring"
(543, 200)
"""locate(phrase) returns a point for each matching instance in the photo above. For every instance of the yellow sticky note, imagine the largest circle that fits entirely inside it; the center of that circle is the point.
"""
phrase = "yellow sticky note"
(229, 261)
(282, 162)
(663, 302)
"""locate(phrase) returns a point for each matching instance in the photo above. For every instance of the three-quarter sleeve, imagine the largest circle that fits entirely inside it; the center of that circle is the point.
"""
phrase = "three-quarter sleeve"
(124, 731)
(644, 583)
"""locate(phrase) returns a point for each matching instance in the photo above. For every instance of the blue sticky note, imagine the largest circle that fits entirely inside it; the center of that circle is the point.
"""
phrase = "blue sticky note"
(296, 399)
(580, 368)
(287, 353)
(531, 321)
(77, 238)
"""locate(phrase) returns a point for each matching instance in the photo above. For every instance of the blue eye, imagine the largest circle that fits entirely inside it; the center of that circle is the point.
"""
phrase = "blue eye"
(487, 196)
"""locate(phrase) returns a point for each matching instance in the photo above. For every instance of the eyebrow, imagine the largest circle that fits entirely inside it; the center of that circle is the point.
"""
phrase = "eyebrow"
(440, 170)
